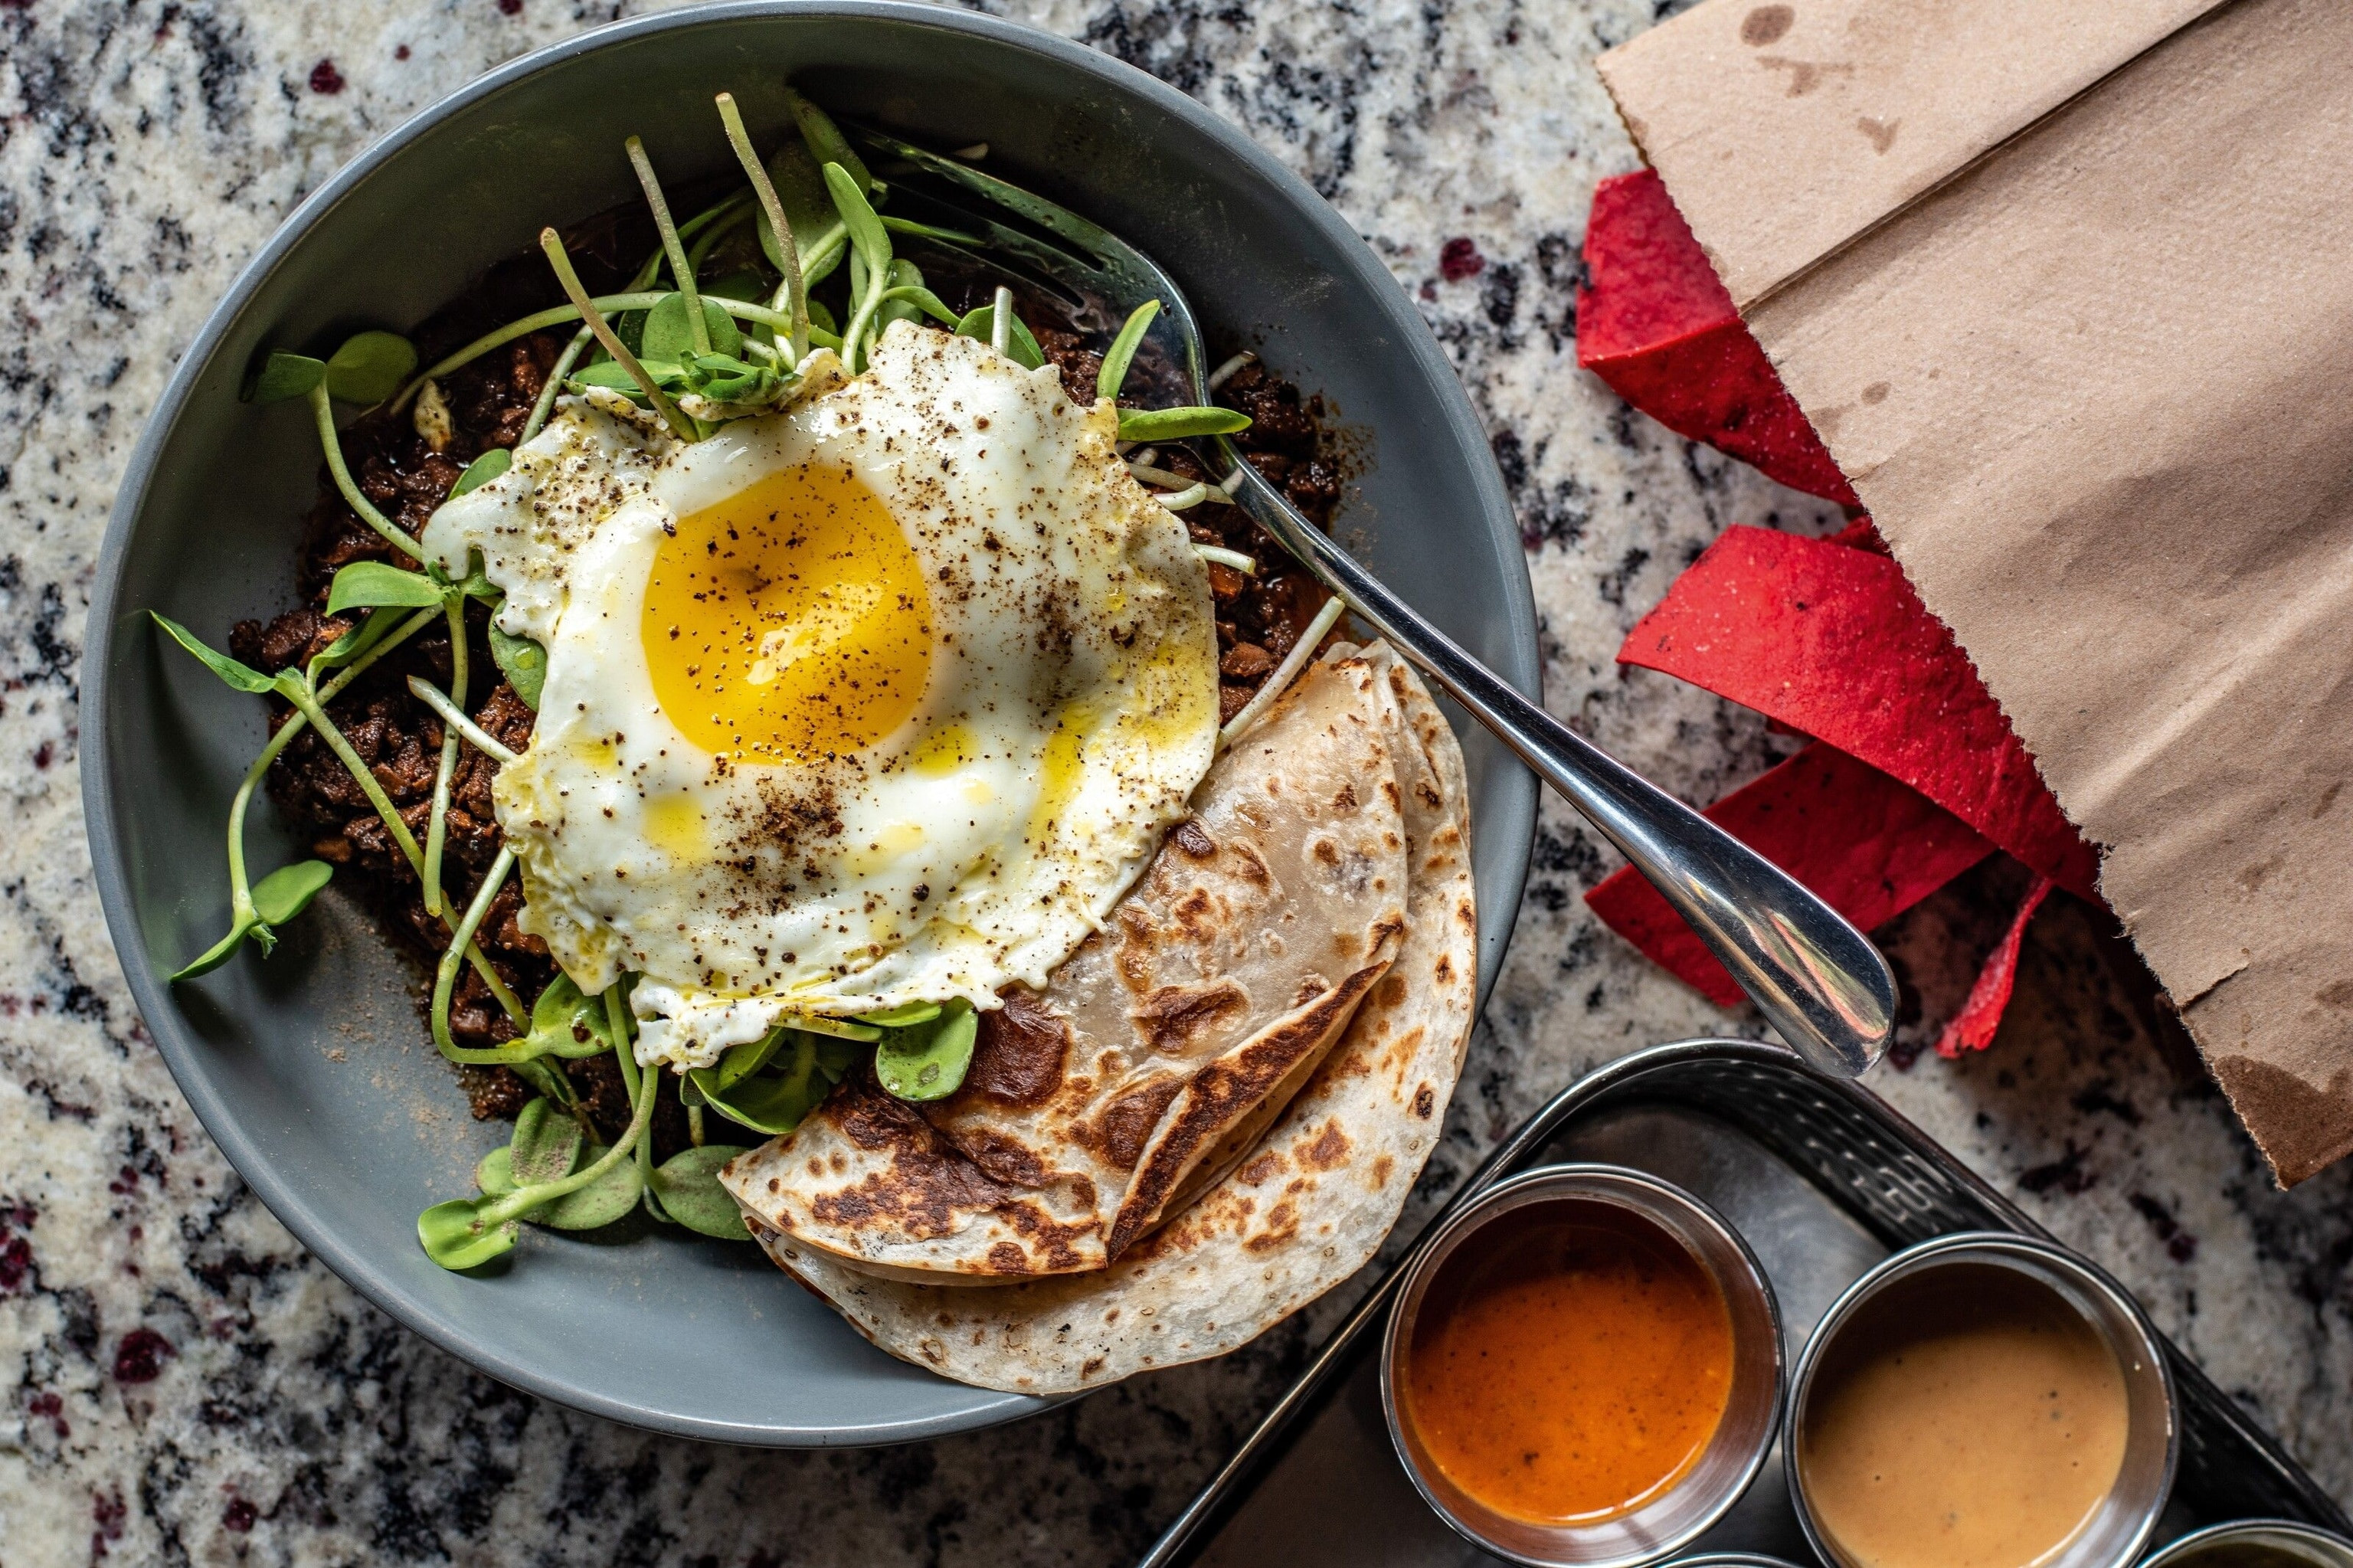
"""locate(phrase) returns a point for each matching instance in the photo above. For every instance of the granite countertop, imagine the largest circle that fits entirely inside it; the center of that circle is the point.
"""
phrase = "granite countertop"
(180, 1383)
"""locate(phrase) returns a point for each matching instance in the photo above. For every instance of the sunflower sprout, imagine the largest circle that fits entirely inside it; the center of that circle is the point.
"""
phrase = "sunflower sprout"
(681, 270)
(455, 717)
(1301, 652)
(1246, 565)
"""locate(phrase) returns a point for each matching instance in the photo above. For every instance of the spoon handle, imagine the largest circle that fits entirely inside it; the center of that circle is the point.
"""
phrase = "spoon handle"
(1820, 982)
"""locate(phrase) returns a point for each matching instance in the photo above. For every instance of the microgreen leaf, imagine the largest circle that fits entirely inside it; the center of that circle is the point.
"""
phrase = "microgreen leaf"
(740, 1062)
(982, 323)
(495, 1175)
(522, 662)
(483, 470)
(688, 1185)
(242, 676)
(930, 231)
(839, 1028)
(1175, 424)
(546, 1146)
(826, 142)
(668, 336)
(219, 953)
(928, 1061)
(1122, 353)
(739, 286)
(905, 293)
(600, 1202)
(288, 891)
(453, 1236)
(284, 377)
(373, 585)
(566, 1023)
(548, 1079)
(901, 1017)
(923, 301)
(371, 630)
(776, 1100)
(370, 366)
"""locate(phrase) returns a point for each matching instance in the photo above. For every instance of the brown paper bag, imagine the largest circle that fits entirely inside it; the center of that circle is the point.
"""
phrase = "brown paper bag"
(2067, 287)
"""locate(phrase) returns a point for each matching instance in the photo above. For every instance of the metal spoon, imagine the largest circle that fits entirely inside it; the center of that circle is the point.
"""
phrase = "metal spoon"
(1819, 983)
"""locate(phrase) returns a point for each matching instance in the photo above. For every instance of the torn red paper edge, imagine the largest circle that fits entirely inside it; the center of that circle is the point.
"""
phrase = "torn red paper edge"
(1972, 1028)
(1655, 322)
(1833, 642)
(1867, 845)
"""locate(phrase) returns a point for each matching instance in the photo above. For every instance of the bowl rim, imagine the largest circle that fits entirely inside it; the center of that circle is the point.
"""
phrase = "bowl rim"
(103, 823)
(1662, 1203)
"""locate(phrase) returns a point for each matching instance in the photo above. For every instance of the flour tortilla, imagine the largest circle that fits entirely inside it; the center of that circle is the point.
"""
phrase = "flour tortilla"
(1305, 1210)
(1226, 974)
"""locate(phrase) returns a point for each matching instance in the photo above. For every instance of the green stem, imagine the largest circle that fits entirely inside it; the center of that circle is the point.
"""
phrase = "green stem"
(299, 693)
(325, 412)
(480, 739)
(358, 667)
(681, 270)
(437, 830)
(553, 245)
(564, 364)
(519, 1203)
(240, 891)
(793, 289)
(853, 350)
(445, 973)
(618, 1024)
(638, 298)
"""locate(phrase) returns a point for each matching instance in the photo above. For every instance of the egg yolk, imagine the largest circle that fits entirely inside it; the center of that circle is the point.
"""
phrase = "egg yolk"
(789, 621)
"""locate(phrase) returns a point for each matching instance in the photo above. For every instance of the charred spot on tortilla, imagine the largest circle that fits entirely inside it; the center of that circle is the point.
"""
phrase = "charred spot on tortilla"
(1329, 1149)
(1018, 1057)
(1194, 839)
(1120, 1132)
(1172, 1015)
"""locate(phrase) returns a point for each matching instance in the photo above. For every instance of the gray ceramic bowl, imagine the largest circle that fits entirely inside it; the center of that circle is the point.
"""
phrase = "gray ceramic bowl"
(311, 1070)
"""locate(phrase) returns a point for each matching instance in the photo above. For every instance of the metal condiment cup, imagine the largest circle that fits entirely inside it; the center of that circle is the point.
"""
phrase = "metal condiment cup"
(1672, 1521)
(2121, 1527)
(2318, 1547)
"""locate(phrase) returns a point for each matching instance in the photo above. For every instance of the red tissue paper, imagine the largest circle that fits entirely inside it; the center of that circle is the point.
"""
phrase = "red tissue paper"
(1654, 321)
(1833, 642)
(1972, 1028)
(1867, 845)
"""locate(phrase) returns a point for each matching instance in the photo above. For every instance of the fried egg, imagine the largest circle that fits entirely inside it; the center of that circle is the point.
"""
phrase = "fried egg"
(880, 700)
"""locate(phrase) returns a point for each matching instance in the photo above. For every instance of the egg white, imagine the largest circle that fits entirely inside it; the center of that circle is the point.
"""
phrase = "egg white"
(1069, 709)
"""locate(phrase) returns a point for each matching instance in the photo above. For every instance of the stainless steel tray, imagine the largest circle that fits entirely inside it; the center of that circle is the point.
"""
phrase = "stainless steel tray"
(1820, 1177)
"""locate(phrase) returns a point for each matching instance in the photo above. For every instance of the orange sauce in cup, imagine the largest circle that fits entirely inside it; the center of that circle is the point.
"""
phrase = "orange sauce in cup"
(1569, 1363)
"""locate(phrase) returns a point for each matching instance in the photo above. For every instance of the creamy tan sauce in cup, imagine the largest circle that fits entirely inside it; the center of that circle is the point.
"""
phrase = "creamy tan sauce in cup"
(1969, 1417)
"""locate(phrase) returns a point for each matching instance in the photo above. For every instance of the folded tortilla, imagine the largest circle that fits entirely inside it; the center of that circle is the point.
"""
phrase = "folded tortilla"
(1304, 1206)
(1226, 973)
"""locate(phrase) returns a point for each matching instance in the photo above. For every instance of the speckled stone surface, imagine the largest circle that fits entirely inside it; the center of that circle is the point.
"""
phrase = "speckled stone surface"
(180, 1383)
